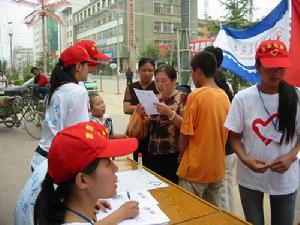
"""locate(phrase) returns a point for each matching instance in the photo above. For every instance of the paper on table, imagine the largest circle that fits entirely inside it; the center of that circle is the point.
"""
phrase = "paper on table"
(147, 99)
(149, 213)
(137, 180)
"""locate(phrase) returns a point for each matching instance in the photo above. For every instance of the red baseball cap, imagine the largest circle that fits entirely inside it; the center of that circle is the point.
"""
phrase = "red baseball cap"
(76, 54)
(273, 53)
(91, 47)
(75, 147)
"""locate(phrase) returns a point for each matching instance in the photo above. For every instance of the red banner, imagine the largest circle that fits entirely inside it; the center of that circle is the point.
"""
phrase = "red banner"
(131, 37)
(293, 73)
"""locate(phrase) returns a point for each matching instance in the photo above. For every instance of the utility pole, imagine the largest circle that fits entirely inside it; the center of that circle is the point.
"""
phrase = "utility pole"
(10, 33)
(118, 53)
(183, 55)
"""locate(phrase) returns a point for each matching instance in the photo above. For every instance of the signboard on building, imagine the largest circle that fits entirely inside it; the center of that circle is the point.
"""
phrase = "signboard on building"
(131, 37)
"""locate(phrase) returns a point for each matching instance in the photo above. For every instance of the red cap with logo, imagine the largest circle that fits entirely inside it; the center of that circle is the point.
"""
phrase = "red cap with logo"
(92, 49)
(273, 53)
(75, 147)
(76, 54)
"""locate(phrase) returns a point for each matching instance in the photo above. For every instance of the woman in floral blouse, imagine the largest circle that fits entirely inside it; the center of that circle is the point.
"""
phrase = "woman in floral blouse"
(165, 127)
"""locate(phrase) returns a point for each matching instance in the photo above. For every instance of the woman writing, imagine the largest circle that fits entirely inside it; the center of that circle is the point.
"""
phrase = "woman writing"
(264, 132)
(67, 103)
(79, 173)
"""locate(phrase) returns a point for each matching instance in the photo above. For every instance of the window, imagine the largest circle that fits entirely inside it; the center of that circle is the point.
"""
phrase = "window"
(103, 4)
(161, 8)
(93, 9)
(108, 2)
(89, 12)
(98, 6)
(85, 14)
(165, 27)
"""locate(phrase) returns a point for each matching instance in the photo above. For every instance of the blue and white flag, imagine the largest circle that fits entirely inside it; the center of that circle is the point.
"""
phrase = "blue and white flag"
(239, 46)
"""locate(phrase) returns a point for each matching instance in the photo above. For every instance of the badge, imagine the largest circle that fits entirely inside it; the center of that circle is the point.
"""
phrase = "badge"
(273, 134)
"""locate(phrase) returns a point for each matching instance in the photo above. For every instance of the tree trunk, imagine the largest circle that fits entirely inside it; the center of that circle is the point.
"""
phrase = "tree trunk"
(44, 45)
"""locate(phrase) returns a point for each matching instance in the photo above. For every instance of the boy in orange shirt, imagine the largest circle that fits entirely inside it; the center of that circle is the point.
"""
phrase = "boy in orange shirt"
(202, 135)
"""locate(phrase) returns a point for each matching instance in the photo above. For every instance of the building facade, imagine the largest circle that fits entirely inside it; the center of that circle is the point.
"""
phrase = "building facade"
(23, 57)
(51, 29)
(123, 28)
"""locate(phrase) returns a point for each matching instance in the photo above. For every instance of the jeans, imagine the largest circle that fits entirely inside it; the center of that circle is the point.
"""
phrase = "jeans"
(282, 207)
(38, 92)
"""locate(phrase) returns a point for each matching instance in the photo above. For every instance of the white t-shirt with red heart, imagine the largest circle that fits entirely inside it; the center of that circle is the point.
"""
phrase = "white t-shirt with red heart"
(249, 116)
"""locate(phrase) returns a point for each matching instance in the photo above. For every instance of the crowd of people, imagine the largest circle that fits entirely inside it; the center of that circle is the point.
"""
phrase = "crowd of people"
(194, 140)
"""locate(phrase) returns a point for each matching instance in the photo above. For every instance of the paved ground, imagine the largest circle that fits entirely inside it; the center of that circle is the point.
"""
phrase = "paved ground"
(16, 149)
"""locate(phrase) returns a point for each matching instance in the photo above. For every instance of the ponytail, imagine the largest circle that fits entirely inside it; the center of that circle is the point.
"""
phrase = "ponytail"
(287, 110)
(49, 208)
(60, 76)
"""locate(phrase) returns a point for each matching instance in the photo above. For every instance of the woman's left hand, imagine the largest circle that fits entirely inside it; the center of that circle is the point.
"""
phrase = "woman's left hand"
(102, 205)
(282, 163)
(164, 109)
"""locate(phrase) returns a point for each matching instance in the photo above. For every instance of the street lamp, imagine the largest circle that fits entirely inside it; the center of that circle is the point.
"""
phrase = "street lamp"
(10, 33)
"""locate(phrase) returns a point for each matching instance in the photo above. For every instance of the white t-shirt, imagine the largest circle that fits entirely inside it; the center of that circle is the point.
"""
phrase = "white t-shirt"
(26, 199)
(77, 223)
(69, 106)
(248, 116)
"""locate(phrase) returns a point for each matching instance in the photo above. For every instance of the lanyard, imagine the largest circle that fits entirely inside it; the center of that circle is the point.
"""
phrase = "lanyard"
(267, 111)
(80, 215)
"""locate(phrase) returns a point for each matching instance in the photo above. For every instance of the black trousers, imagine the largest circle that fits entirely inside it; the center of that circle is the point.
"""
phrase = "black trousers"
(143, 148)
(165, 165)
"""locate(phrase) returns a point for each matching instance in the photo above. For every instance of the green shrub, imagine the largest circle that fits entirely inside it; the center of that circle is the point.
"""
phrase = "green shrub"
(18, 82)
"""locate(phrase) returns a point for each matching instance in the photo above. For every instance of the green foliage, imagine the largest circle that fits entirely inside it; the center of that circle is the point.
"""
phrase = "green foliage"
(18, 82)
(150, 51)
(3, 65)
(27, 72)
(51, 62)
(238, 13)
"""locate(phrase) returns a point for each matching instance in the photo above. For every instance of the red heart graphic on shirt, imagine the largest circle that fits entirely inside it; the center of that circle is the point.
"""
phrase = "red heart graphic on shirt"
(256, 130)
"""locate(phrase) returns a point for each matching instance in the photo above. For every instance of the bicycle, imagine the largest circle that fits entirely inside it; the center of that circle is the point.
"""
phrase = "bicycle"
(33, 122)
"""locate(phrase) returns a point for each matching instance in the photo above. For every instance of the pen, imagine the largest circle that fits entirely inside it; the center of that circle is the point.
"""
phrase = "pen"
(128, 194)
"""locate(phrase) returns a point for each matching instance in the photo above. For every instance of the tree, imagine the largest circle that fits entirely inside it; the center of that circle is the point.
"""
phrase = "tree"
(3, 66)
(51, 63)
(238, 15)
(150, 51)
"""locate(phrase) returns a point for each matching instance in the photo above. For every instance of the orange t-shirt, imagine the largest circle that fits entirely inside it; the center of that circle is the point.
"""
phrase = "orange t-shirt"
(204, 158)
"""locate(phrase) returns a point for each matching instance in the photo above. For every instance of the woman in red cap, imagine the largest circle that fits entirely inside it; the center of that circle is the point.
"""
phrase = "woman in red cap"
(79, 173)
(67, 102)
(264, 131)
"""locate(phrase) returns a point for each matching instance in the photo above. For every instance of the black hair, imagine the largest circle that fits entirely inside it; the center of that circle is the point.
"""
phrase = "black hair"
(34, 68)
(145, 60)
(206, 62)
(220, 78)
(287, 108)
(167, 69)
(59, 76)
(50, 206)
(91, 96)
(217, 52)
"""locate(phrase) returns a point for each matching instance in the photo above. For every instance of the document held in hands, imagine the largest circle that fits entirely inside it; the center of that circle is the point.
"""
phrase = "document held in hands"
(147, 99)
